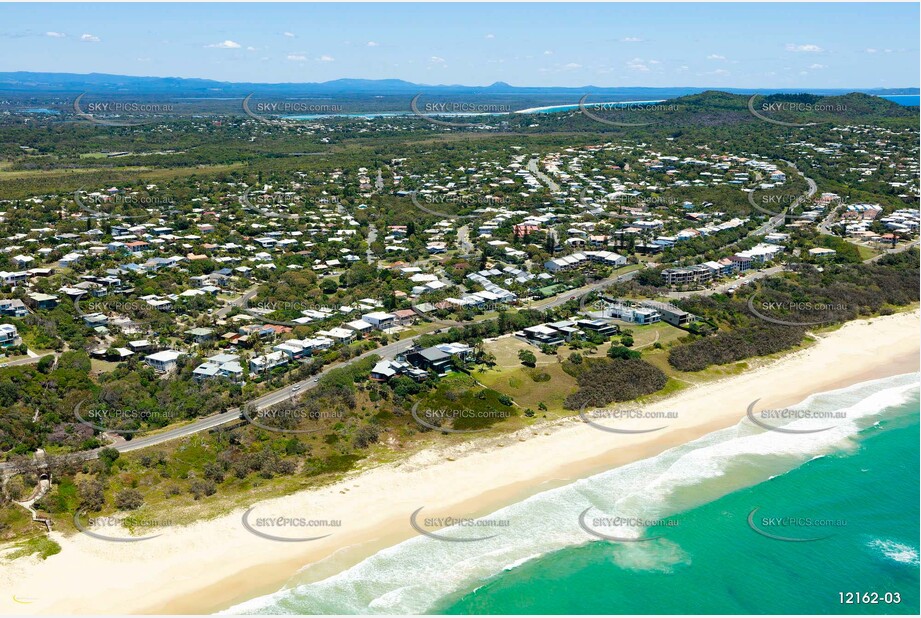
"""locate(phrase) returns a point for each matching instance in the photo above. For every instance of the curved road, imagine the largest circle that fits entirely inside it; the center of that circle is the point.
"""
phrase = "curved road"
(233, 414)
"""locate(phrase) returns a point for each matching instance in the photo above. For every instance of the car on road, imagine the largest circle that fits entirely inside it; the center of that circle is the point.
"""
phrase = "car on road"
(295, 388)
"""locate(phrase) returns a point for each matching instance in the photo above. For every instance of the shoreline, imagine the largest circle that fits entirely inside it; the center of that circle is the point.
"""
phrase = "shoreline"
(211, 565)
(571, 107)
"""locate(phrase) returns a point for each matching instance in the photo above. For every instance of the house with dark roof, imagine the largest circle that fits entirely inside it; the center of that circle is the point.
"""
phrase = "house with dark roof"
(430, 359)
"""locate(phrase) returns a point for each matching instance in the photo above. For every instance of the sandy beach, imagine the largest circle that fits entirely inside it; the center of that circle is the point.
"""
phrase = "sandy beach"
(214, 564)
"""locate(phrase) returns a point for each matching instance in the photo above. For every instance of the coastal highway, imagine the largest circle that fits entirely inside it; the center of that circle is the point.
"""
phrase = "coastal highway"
(561, 299)
(216, 420)
(29, 360)
(898, 249)
(269, 399)
(732, 283)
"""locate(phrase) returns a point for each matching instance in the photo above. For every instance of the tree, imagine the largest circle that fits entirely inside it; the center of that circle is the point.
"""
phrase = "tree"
(366, 436)
(45, 364)
(108, 456)
(575, 358)
(626, 340)
(619, 351)
(201, 487)
(527, 358)
(92, 496)
(129, 500)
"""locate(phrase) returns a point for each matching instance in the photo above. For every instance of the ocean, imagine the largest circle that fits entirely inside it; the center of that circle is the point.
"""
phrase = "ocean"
(904, 99)
(743, 520)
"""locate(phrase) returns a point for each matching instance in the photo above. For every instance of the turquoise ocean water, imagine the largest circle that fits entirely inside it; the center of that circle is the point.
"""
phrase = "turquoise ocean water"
(843, 500)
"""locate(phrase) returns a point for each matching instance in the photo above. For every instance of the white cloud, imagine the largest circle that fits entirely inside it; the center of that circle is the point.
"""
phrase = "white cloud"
(637, 64)
(631, 39)
(325, 58)
(572, 66)
(225, 45)
(793, 47)
(89, 38)
(437, 60)
(56, 35)
(490, 36)
(250, 48)
(297, 57)
(870, 50)
(373, 44)
(817, 66)
(290, 35)
(548, 53)
(655, 62)
(715, 57)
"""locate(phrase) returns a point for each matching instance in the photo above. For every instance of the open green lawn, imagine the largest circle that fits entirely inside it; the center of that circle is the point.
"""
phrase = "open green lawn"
(475, 407)
(530, 387)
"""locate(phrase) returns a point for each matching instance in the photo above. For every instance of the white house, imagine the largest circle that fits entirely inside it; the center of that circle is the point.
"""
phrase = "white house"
(163, 361)
(379, 319)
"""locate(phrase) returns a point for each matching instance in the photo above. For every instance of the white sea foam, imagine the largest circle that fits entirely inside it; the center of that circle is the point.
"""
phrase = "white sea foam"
(897, 552)
(413, 576)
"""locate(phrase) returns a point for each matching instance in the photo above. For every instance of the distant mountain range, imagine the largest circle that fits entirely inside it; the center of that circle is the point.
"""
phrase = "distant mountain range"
(22, 82)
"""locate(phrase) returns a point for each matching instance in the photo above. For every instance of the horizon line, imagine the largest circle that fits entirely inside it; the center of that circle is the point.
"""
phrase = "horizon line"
(460, 85)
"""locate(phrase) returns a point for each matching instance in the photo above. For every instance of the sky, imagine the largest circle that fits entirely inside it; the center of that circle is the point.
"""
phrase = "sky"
(779, 45)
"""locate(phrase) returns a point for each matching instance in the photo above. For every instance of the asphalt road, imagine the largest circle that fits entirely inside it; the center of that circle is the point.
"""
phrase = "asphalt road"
(269, 399)
(237, 302)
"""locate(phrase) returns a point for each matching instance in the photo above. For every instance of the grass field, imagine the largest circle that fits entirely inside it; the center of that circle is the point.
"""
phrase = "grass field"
(549, 384)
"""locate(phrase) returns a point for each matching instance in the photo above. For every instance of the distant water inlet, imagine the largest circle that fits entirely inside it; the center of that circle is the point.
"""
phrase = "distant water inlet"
(601, 544)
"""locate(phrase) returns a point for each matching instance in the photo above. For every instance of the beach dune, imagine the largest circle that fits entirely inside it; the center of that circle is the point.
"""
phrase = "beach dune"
(214, 564)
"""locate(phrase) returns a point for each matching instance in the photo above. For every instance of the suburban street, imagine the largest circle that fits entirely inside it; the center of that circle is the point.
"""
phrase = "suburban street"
(216, 420)
(237, 302)
(532, 167)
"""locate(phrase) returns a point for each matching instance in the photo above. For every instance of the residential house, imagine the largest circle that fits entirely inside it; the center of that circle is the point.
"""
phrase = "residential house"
(163, 361)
